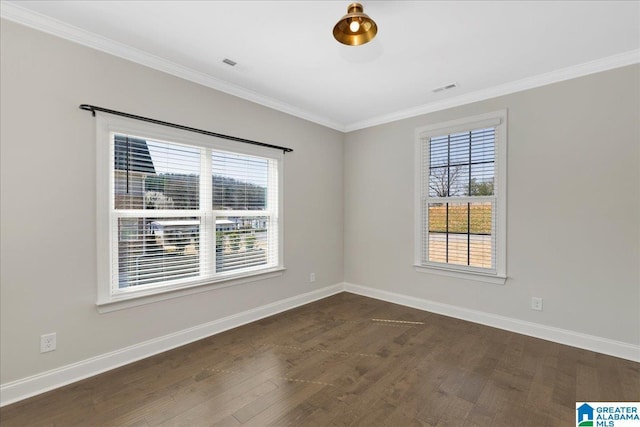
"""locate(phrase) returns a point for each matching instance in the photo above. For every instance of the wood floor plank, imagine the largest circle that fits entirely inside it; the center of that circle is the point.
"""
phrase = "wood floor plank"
(345, 360)
(223, 405)
(196, 393)
(290, 394)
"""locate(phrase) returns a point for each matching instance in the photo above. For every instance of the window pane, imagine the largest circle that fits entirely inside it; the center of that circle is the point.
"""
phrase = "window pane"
(461, 234)
(458, 194)
(481, 183)
(437, 217)
(180, 205)
(480, 251)
(482, 162)
(458, 180)
(243, 242)
(481, 218)
(129, 229)
(132, 164)
(458, 226)
(155, 175)
(457, 218)
(239, 182)
(438, 150)
(483, 145)
(481, 239)
(439, 178)
(165, 249)
(437, 237)
(459, 148)
(439, 181)
(462, 164)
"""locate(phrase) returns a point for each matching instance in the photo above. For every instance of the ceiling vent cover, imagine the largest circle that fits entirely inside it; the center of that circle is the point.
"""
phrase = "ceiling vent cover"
(445, 87)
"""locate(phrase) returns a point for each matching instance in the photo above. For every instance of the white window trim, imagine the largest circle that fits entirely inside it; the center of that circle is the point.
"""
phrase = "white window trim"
(498, 119)
(106, 300)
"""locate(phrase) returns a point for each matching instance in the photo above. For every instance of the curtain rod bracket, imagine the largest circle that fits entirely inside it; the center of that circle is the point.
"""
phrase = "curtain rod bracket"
(88, 107)
(93, 110)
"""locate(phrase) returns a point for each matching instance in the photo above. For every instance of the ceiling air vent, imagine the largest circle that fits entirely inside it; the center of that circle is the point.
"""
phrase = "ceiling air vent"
(229, 62)
(445, 87)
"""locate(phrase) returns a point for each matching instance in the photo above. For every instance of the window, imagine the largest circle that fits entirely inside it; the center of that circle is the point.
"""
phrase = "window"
(178, 210)
(461, 198)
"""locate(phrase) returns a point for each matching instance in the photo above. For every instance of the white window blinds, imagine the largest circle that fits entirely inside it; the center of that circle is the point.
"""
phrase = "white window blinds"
(184, 214)
(460, 202)
(461, 197)
(156, 217)
(245, 201)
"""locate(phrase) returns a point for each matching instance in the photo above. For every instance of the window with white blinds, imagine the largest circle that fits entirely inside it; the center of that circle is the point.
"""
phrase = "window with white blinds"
(461, 196)
(185, 211)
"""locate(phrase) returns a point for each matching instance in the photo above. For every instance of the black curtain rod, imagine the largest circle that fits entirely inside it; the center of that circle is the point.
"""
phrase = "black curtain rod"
(93, 110)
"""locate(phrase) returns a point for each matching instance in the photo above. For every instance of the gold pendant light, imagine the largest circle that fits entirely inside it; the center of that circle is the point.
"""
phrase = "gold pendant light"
(355, 28)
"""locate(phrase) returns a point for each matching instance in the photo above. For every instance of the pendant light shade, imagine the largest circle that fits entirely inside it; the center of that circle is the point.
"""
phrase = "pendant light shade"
(355, 28)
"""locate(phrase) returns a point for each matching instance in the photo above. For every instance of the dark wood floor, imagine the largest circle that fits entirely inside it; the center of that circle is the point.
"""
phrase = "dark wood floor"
(330, 363)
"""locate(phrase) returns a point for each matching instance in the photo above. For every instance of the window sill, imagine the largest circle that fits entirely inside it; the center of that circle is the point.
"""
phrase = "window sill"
(467, 275)
(134, 299)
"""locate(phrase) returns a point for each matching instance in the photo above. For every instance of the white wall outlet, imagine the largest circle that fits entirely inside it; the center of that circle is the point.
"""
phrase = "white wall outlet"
(47, 342)
(312, 277)
(536, 303)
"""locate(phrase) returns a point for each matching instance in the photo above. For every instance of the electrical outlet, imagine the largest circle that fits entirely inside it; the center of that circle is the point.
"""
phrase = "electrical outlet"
(536, 303)
(47, 342)
(312, 277)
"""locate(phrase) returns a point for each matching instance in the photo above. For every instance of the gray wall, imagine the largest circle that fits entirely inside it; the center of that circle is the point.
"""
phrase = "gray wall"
(573, 208)
(48, 280)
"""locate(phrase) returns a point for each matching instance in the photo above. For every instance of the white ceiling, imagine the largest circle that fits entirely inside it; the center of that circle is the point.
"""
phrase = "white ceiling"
(288, 60)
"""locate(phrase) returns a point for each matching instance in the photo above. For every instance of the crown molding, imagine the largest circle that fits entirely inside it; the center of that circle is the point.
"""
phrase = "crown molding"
(23, 16)
(592, 67)
(13, 12)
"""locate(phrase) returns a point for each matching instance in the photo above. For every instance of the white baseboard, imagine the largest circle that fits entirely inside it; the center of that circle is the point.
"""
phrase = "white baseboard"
(549, 333)
(26, 387)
